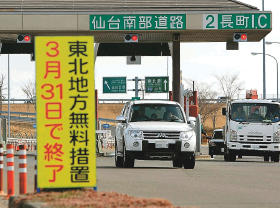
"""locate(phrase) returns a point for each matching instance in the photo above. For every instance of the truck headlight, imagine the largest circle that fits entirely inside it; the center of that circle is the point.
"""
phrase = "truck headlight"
(136, 134)
(186, 135)
(276, 136)
(233, 136)
(211, 143)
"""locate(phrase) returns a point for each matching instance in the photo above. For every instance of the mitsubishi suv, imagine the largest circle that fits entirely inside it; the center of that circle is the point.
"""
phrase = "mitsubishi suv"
(154, 130)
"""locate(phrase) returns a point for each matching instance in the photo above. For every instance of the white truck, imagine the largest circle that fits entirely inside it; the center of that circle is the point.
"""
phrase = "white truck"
(154, 130)
(252, 129)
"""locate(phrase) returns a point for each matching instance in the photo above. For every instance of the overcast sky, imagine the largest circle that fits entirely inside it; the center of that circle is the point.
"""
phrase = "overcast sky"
(199, 62)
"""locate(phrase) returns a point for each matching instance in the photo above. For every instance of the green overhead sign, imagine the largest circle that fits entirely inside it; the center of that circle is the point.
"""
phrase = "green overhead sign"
(114, 84)
(237, 21)
(128, 22)
(156, 84)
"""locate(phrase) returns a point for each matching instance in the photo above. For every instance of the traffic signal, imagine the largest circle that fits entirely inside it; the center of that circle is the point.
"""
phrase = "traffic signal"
(131, 38)
(24, 38)
(240, 37)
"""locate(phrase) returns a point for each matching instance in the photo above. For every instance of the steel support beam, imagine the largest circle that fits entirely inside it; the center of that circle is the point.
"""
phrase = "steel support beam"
(176, 68)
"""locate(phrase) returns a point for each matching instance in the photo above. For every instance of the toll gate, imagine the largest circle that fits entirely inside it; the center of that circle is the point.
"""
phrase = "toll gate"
(159, 26)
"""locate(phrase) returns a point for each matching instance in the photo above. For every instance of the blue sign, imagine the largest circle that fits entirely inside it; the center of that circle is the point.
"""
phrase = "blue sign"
(106, 126)
(34, 126)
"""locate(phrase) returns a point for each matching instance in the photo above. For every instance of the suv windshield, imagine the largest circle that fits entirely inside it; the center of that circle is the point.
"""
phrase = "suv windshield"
(255, 112)
(218, 135)
(156, 112)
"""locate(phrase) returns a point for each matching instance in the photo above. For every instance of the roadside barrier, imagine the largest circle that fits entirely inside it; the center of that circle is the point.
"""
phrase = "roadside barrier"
(30, 143)
(105, 142)
(22, 170)
(1, 169)
(35, 175)
(108, 143)
(10, 170)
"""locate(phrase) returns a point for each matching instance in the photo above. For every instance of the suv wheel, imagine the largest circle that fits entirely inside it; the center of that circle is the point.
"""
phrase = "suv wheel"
(177, 162)
(128, 160)
(118, 159)
(211, 152)
(189, 162)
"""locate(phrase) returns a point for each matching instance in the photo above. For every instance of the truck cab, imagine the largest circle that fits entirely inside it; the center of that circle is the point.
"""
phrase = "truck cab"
(154, 130)
(252, 129)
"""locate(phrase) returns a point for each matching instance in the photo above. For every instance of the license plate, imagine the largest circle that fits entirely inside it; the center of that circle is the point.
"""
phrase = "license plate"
(161, 145)
(222, 150)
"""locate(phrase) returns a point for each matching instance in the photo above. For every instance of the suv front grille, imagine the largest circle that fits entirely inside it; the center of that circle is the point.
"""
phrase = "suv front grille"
(161, 135)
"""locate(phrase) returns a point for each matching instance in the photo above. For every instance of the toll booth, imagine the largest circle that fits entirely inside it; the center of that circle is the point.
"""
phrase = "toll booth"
(251, 94)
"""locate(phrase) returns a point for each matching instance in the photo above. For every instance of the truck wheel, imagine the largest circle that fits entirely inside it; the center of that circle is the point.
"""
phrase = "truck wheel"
(189, 162)
(118, 159)
(177, 163)
(275, 158)
(266, 158)
(232, 157)
(128, 160)
(226, 157)
(226, 154)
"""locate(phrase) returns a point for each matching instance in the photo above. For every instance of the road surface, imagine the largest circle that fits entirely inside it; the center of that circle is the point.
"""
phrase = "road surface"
(249, 182)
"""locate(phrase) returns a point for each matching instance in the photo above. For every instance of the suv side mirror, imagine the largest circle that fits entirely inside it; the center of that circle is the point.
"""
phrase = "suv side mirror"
(208, 137)
(121, 119)
(224, 111)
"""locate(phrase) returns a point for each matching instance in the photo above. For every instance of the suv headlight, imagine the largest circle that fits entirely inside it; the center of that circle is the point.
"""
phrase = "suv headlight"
(233, 136)
(186, 135)
(135, 134)
(276, 136)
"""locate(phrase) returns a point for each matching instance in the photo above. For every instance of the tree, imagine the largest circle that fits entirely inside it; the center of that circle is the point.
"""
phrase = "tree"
(208, 108)
(30, 91)
(2, 88)
(229, 84)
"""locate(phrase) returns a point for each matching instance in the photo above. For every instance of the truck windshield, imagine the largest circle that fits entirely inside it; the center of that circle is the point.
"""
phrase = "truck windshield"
(156, 112)
(218, 135)
(255, 112)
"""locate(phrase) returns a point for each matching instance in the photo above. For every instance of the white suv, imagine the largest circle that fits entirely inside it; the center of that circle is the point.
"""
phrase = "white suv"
(154, 130)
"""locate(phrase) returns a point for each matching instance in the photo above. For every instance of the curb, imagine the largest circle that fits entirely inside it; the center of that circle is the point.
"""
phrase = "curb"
(203, 157)
(25, 203)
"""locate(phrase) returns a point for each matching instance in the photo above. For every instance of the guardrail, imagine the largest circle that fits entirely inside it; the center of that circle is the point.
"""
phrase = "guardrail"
(21, 116)
(31, 144)
(20, 113)
(31, 117)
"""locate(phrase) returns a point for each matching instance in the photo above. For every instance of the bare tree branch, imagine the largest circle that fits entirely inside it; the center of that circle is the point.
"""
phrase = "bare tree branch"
(229, 84)
(30, 91)
(205, 92)
(2, 88)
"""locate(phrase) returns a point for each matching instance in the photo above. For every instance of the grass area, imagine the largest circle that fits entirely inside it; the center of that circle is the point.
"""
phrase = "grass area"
(88, 198)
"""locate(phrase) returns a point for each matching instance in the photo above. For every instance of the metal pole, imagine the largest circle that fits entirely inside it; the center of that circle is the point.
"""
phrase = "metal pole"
(198, 134)
(264, 80)
(96, 47)
(167, 67)
(136, 86)
(176, 88)
(277, 80)
(254, 53)
(9, 112)
(277, 72)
